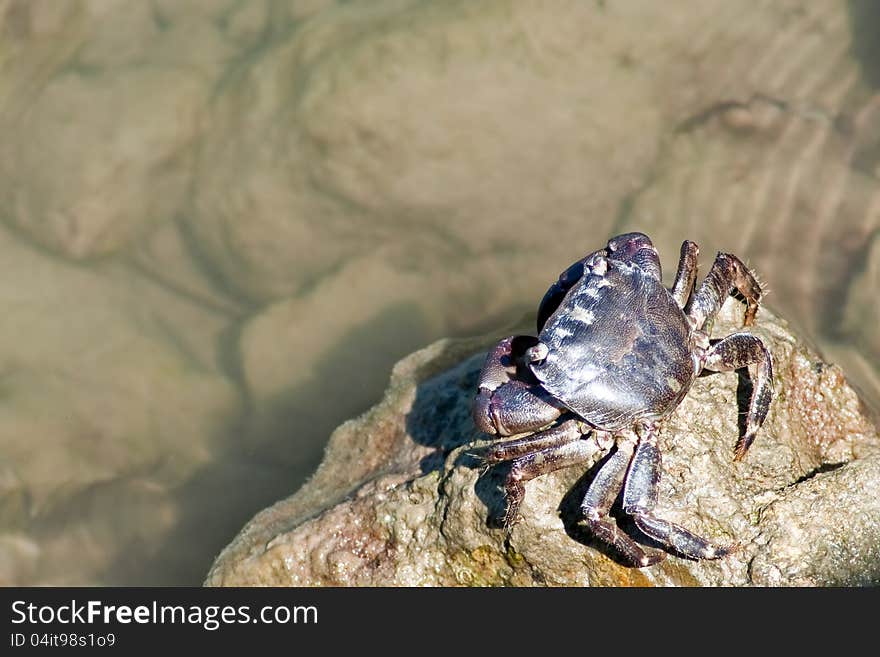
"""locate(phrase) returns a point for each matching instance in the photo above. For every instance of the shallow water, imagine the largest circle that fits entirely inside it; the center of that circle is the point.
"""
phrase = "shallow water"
(223, 222)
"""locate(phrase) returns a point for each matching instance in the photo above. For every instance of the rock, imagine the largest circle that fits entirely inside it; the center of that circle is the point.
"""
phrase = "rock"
(398, 500)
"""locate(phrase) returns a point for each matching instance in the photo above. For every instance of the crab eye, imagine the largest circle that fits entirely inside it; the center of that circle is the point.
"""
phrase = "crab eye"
(537, 353)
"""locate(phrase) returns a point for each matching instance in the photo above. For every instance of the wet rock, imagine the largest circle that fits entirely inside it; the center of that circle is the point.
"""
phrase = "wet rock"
(398, 500)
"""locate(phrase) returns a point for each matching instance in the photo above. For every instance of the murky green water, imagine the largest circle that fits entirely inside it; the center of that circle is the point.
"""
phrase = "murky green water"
(224, 221)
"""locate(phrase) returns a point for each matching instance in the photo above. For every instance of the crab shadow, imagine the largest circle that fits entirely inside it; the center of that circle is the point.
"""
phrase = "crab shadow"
(744, 388)
(440, 415)
(573, 519)
(489, 488)
(440, 418)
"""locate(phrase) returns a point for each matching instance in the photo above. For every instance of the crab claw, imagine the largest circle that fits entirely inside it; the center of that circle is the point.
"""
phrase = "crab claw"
(505, 405)
(512, 408)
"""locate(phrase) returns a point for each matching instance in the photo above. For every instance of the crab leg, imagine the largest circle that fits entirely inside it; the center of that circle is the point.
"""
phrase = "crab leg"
(569, 450)
(728, 273)
(561, 434)
(598, 501)
(640, 498)
(686, 275)
(739, 350)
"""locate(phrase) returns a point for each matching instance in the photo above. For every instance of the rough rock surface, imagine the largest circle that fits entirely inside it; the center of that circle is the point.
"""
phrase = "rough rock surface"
(399, 500)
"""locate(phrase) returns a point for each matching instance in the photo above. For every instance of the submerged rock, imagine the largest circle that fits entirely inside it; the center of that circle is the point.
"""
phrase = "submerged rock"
(101, 105)
(106, 411)
(398, 500)
(396, 128)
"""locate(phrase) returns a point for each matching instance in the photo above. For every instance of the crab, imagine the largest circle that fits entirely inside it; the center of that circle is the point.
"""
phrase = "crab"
(616, 353)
